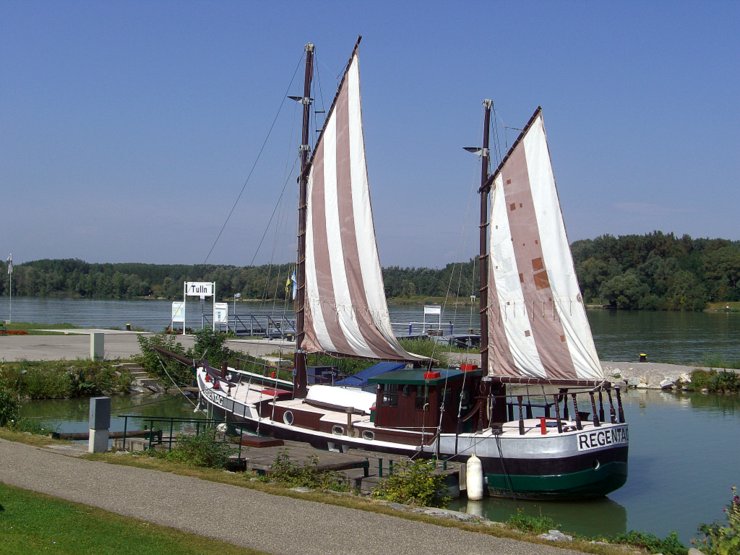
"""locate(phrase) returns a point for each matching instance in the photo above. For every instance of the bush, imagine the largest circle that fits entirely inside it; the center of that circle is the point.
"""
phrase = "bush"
(30, 425)
(307, 475)
(209, 345)
(204, 449)
(415, 483)
(725, 381)
(671, 545)
(9, 408)
(723, 540)
(531, 524)
(166, 368)
(63, 379)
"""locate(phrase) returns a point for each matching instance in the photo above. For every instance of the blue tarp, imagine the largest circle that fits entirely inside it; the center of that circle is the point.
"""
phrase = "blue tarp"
(360, 379)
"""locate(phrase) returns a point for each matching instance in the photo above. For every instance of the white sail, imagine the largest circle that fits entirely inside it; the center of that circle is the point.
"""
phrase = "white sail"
(536, 317)
(345, 307)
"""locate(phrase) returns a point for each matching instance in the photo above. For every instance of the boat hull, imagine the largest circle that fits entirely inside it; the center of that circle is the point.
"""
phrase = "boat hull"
(576, 464)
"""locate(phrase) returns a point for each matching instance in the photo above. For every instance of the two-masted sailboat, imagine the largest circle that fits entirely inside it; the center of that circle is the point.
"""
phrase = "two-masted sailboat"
(534, 414)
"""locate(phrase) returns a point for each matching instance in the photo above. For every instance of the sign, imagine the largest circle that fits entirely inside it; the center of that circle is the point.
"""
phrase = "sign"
(178, 312)
(221, 313)
(200, 289)
(432, 309)
(600, 439)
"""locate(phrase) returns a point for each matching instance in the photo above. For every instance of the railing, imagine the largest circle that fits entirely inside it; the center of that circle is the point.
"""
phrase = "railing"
(157, 425)
(521, 407)
(257, 325)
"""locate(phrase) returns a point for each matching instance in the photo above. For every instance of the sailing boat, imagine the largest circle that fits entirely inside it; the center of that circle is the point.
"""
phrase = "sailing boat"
(537, 331)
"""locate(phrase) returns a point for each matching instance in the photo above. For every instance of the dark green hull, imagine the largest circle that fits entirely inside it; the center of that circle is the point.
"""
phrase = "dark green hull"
(580, 484)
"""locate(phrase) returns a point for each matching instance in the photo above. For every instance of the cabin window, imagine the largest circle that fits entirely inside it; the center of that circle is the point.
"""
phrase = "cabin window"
(368, 435)
(288, 417)
(390, 395)
(337, 430)
(422, 396)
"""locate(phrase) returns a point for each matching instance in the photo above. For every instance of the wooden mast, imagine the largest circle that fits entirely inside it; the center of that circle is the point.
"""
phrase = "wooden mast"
(300, 386)
(483, 261)
(483, 240)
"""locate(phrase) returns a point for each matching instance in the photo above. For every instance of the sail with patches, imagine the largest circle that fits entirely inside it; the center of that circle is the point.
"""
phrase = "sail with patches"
(345, 307)
(537, 321)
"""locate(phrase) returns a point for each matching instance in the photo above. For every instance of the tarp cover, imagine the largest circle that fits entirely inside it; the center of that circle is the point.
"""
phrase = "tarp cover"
(360, 379)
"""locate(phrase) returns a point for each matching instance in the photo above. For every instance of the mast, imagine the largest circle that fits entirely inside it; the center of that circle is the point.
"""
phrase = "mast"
(483, 241)
(300, 387)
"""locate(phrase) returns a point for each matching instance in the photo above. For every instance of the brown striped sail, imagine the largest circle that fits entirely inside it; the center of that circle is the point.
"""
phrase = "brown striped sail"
(345, 310)
(537, 322)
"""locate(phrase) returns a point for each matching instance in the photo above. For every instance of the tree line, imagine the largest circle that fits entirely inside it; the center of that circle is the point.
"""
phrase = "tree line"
(656, 271)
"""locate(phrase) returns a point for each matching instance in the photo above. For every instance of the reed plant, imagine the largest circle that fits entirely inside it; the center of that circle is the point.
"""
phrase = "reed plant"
(63, 379)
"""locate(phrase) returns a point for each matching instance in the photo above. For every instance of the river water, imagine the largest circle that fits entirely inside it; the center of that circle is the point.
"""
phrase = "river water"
(684, 449)
(681, 338)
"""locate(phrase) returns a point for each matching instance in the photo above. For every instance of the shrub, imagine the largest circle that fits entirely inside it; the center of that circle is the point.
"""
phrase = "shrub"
(671, 545)
(30, 425)
(209, 345)
(531, 524)
(307, 475)
(725, 381)
(167, 369)
(9, 408)
(204, 449)
(63, 379)
(415, 483)
(723, 540)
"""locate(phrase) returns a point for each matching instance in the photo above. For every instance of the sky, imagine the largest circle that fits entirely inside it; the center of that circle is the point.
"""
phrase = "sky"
(158, 131)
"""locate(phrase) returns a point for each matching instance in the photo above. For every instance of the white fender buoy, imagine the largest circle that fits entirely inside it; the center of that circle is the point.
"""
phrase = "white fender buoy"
(474, 478)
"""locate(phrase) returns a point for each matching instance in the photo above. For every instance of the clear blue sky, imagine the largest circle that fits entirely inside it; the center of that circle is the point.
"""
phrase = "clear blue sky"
(127, 129)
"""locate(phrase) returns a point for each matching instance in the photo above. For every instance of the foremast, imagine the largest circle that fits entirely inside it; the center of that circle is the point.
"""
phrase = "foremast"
(300, 385)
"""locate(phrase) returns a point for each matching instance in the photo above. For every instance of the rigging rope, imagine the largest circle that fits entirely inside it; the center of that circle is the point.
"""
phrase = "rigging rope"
(256, 161)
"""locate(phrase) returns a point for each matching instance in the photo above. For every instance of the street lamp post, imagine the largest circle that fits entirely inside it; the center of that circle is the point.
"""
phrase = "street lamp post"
(236, 296)
(10, 287)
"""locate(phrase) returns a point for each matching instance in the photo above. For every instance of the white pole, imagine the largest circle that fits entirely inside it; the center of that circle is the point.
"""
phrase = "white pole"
(213, 308)
(10, 287)
(184, 299)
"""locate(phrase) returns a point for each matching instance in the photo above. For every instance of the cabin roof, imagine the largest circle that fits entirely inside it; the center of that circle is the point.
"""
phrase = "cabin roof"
(419, 376)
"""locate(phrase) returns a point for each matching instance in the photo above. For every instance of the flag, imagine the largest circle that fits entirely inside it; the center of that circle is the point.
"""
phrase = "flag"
(10, 263)
(295, 283)
(290, 285)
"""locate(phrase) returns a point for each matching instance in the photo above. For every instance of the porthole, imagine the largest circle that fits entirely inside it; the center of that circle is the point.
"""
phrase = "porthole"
(337, 430)
(368, 435)
(288, 417)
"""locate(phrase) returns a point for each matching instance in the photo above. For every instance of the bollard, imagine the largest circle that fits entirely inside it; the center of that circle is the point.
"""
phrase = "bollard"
(99, 423)
(97, 346)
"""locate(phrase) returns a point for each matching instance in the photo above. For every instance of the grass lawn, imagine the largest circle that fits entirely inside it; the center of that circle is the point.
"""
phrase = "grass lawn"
(32, 328)
(36, 523)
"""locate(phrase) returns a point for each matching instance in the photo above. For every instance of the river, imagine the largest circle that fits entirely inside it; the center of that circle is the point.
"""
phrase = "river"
(677, 337)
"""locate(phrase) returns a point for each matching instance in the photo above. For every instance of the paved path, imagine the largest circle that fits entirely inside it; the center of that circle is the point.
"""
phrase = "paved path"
(74, 344)
(249, 518)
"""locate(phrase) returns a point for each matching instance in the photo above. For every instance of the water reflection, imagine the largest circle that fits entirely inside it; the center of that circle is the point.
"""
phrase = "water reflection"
(71, 415)
(683, 453)
(584, 518)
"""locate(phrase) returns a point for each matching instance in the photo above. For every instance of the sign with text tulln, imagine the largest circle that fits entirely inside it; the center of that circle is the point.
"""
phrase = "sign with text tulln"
(200, 289)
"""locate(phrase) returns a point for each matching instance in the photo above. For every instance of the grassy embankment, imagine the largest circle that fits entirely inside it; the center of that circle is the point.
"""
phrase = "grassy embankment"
(32, 328)
(33, 523)
(727, 306)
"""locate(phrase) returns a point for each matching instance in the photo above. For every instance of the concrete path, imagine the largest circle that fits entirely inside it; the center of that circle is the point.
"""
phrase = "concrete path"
(75, 344)
(244, 517)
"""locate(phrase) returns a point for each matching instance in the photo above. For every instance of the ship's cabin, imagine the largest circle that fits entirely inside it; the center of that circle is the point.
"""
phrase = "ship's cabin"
(415, 398)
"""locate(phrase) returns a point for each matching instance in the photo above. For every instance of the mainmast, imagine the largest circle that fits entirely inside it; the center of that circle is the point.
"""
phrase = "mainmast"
(483, 241)
(300, 387)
